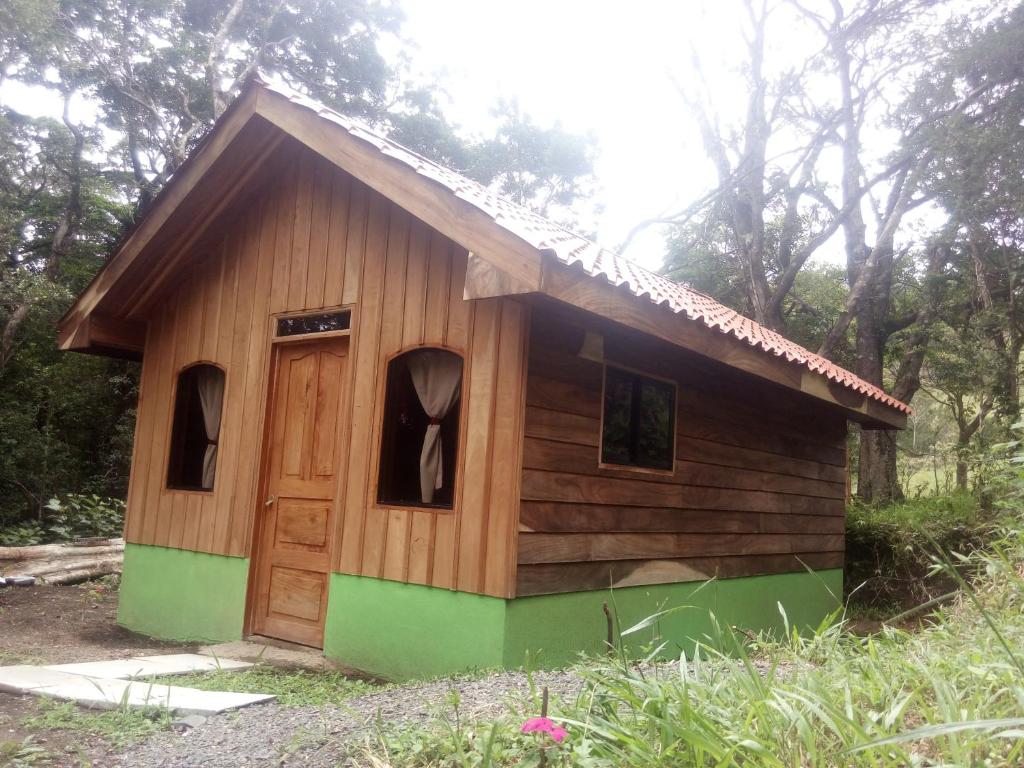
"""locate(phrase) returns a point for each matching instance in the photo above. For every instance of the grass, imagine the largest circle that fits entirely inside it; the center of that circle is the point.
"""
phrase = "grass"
(10, 658)
(944, 514)
(888, 549)
(951, 693)
(293, 688)
(23, 754)
(119, 727)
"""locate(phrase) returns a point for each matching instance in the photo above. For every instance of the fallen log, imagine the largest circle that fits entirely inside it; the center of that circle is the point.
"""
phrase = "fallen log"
(66, 549)
(78, 575)
(67, 563)
(45, 568)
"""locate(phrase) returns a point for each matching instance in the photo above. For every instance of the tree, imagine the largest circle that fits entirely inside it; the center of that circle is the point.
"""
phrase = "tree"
(546, 169)
(978, 178)
(549, 170)
(155, 76)
(759, 227)
(769, 211)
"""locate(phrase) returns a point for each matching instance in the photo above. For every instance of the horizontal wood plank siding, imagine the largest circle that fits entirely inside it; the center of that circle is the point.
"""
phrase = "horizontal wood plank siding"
(313, 238)
(758, 484)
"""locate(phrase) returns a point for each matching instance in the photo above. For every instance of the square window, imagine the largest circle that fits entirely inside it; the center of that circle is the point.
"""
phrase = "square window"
(638, 428)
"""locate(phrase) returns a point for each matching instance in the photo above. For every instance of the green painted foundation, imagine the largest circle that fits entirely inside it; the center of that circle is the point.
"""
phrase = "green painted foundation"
(402, 631)
(175, 594)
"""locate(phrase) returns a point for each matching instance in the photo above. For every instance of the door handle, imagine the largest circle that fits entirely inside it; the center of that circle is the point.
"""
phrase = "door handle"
(269, 502)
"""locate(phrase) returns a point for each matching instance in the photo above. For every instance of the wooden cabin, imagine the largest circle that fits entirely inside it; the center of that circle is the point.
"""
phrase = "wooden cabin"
(387, 413)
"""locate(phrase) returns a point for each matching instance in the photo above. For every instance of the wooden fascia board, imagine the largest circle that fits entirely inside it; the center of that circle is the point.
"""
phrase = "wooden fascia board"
(601, 298)
(420, 196)
(103, 333)
(181, 250)
(181, 184)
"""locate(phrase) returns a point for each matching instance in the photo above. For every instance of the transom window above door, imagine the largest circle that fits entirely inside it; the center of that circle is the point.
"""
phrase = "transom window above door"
(320, 322)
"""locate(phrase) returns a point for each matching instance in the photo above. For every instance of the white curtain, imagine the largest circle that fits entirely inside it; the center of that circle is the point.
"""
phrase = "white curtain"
(437, 376)
(210, 382)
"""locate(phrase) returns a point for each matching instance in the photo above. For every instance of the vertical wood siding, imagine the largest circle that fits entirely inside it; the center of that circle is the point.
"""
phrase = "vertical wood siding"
(317, 238)
(758, 484)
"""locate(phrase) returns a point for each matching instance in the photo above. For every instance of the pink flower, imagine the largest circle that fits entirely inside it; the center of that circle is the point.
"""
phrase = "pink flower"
(544, 725)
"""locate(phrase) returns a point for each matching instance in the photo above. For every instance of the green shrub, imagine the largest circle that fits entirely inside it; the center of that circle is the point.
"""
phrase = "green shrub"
(75, 516)
(22, 534)
(888, 552)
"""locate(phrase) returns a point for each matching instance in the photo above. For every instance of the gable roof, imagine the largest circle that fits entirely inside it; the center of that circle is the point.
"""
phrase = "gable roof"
(511, 224)
(572, 249)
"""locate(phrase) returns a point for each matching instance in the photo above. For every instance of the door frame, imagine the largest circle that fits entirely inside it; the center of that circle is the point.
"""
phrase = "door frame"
(274, 345)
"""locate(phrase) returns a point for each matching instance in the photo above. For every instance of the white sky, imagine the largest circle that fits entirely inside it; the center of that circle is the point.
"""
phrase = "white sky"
(593, 66)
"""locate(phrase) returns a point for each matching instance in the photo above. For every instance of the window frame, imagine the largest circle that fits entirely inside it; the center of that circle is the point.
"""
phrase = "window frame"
(601, 463)
(169, 447)
(276, 338)
(382, 393)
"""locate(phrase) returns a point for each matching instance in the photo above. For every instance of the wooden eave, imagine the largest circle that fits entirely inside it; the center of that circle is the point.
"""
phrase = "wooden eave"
(501, 263)
(576, 288)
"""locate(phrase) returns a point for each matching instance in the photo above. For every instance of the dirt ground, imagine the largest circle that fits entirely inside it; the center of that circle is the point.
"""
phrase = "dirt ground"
(57, 625)
(61, 624)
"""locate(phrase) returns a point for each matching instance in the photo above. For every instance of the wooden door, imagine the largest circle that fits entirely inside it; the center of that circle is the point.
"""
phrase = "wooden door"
(302, 458)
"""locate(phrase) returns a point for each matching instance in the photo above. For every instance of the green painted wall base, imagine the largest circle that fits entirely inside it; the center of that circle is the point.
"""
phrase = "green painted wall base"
(401, 631)
(175, 594)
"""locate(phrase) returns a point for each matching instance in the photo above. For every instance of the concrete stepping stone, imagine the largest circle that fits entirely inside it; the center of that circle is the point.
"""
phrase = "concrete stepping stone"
(25, 678)
(150, 666)
(110, 692)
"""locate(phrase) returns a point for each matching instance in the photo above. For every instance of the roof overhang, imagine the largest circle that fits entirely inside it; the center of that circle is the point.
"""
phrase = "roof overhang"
(109, 316)
(576, 288)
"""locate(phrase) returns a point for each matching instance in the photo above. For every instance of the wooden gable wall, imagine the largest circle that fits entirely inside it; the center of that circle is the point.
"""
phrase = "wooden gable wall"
(312, 238)
(758, 485)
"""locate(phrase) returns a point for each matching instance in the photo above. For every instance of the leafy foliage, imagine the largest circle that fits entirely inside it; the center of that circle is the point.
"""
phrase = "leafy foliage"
(154, 77)
(949, 693)
(931, 302)
(292, 687)
(76, 516)
(889, 552)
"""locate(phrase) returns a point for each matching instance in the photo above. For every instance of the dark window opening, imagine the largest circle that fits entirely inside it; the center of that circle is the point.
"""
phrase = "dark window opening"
(322, 323)
(639, 420)
(196, 428)
(418, 449)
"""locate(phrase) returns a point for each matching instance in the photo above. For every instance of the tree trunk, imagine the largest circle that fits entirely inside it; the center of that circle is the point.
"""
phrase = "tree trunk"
(877, 482)
(961, 467)
(10, 332)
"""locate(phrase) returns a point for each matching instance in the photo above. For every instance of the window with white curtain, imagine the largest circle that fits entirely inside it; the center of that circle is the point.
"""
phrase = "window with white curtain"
(198, 404)
(420, 433)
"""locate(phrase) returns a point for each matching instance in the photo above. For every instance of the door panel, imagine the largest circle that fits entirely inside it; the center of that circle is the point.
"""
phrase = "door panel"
(301, 463)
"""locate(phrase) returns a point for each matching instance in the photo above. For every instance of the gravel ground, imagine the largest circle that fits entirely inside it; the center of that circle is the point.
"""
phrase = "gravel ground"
(318, 737)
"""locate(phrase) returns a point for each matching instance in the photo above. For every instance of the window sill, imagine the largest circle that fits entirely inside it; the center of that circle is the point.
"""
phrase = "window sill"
(407, 507)
(190, 491)
(638, 470)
